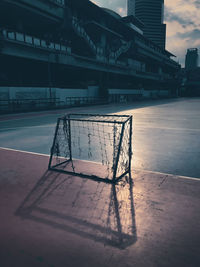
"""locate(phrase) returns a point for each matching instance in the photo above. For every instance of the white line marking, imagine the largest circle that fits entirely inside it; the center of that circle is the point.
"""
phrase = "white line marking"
(136, 127)
(40, 154)
(22, 151)
(28, 127)
(161, 173)
(170, 174)
(35, 117)
(166, 128)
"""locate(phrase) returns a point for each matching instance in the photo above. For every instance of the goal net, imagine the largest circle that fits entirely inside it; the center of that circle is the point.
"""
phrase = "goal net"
(93, 146)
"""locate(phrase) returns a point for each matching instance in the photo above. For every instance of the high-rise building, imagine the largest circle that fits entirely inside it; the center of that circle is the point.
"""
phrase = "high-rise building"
(131, 7)
(151, 13)
(191, 59)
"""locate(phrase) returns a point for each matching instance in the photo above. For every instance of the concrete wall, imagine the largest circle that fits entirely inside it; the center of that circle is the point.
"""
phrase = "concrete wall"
(155, 93)
(15, 93)
(144, 93)
(123, 95)
(124, 92)
(62, 94)
(4, 93)
(20, 93)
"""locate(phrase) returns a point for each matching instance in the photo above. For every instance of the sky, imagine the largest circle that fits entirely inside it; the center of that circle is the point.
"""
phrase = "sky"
(183, 24)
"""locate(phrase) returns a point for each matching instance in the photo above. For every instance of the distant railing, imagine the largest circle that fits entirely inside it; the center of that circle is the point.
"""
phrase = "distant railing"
(57, 2)
(156, 51)
(166, 76)
(21, 105)
(81, 32)
(125, 98)
(124, 48)
(79, 29)
(60, 2)
(76, 101)
(33, 41)
(152, 74)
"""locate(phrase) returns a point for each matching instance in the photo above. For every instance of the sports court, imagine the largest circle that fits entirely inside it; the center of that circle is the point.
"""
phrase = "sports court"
(54, 219)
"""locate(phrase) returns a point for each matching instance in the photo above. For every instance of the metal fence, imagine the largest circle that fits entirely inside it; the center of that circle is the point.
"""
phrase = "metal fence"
(21, 105)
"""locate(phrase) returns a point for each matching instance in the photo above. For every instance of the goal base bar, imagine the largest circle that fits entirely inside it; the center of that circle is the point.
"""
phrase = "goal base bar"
(84, 175)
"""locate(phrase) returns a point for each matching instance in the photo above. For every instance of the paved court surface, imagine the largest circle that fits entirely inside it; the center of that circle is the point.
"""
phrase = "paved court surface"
(165, 133)
(54, 220)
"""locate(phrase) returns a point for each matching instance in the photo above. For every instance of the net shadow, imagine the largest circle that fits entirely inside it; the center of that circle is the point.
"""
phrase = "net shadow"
(97, 211)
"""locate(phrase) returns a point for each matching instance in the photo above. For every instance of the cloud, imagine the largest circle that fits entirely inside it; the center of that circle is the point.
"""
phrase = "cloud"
(194, 34)
(183, 26)
(197, 3)
(173, 16)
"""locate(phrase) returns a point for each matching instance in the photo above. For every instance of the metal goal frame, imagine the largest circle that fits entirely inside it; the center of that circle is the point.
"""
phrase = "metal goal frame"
(122, 120)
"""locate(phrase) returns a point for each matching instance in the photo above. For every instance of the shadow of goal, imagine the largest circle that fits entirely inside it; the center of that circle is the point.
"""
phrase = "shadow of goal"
(93, 146)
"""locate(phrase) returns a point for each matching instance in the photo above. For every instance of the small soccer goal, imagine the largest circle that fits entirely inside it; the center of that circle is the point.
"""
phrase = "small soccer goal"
(93, 146)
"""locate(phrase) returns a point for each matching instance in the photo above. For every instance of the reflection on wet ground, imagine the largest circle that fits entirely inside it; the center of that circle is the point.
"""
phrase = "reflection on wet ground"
(165, 133)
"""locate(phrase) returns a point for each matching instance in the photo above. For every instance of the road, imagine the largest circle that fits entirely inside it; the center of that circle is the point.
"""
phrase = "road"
(166, 133)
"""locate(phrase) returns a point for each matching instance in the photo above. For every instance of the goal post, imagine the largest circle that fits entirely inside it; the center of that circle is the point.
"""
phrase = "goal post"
(93, 146)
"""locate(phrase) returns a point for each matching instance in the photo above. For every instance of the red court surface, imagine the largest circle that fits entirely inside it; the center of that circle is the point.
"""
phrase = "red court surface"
(52, 219)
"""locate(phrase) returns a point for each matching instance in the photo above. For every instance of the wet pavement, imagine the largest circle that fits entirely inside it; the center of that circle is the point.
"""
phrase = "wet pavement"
(166, 133)
(50, 219)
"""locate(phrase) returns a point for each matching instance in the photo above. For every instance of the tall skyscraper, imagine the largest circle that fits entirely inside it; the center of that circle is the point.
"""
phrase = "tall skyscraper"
(151, 13)
(131, 7)
(191, 59)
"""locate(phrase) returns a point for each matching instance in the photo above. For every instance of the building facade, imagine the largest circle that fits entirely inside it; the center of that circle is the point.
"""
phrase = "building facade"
(55, 49)
(191, 59)
(131, 7)
(191, 74)
(151, 13)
